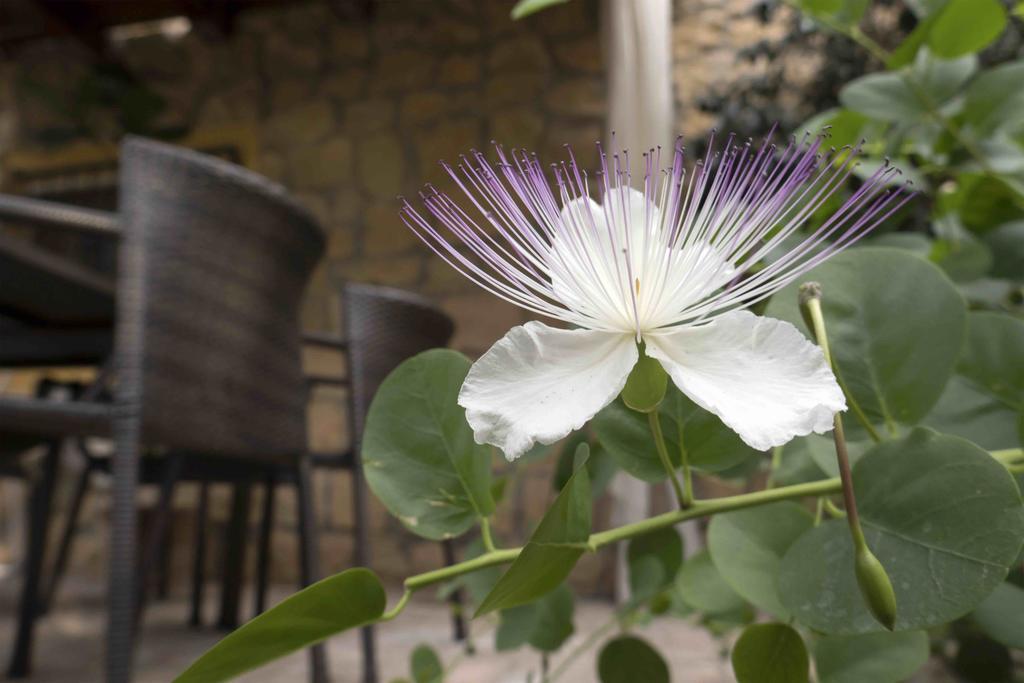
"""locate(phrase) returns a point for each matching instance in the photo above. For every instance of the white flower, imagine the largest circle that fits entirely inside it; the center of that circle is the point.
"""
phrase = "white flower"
(670, 264)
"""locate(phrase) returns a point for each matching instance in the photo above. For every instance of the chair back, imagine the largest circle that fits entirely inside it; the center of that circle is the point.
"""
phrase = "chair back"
(213, 264)
(383, 327)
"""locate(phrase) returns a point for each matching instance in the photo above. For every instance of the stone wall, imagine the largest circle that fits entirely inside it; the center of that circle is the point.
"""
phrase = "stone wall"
(349, 115)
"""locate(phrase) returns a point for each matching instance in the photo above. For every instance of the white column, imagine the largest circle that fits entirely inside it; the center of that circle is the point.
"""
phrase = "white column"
(638, 54)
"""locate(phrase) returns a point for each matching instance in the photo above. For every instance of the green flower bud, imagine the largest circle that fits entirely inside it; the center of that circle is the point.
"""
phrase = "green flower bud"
(875, 587)
(660, 603)
(809, 292)
(646, 385)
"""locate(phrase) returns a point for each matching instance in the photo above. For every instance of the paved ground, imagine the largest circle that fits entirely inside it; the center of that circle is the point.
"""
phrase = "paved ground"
(69, 647)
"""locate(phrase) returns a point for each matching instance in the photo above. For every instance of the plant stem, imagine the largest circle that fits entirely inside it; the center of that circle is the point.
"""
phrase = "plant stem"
(485, 534)
(832, 510)
(490, 559)
(810, 300)
(685, 497)
(1008, 455)
(857, 411)
(701, 508)
(706, 508)
(397, 609)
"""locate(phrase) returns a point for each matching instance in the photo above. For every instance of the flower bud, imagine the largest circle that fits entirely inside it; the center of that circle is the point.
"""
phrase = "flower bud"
(875, 587)
(646, 385)
(809, 291)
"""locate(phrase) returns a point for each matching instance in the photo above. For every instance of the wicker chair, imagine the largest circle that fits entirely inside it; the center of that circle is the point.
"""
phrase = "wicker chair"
(207, 365)
(383, 327)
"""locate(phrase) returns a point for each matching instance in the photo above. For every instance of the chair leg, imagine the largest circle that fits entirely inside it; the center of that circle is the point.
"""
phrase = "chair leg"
(121, 617)
(67, 538)
(361, 552)
(199, 559)
(154, 538)
(39, 503)
(455, 599)
(163, 565)
(309, 558)
(263, 554)
(234, 556)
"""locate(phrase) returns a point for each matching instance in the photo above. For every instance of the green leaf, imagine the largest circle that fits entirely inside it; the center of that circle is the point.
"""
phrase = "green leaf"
(552, 551)
(992, 359)
(747, 547)
(426, 665)
(964, 259)
(905, 53)
(654, 560)
(965, 26)
(876, 657)
(942, 516)
(352, 598)
(710, 445)
(895, 325)
(844, 12)
(995, 99)
(514, 627)
(600, 466)
(553, 620)
(628, 659)
(982, 202)
(418, 452)
(770, 653)
(1007, 245)
(823, 452)
(845, 126)
(967, 411)
(914, 242)
(798, 463)
(703, 588)
(907, 95)
(545, 624)
(1001, 615)
(525, 8)
(985, 399)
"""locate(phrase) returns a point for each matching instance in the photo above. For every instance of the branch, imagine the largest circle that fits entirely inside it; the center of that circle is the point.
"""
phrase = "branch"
(699, 508)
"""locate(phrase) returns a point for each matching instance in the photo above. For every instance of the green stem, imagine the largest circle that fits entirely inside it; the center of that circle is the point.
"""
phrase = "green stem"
(706, 508)
(685, 497)
(1008, 455)
(491, 559)
(832, 509)
(810, 300)
(701, 508)
(397, 609)
(857, 411)
(485, 534)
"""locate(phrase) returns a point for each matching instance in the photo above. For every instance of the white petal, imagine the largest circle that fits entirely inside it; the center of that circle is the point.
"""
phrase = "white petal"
(538, 383)
(761, 376)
